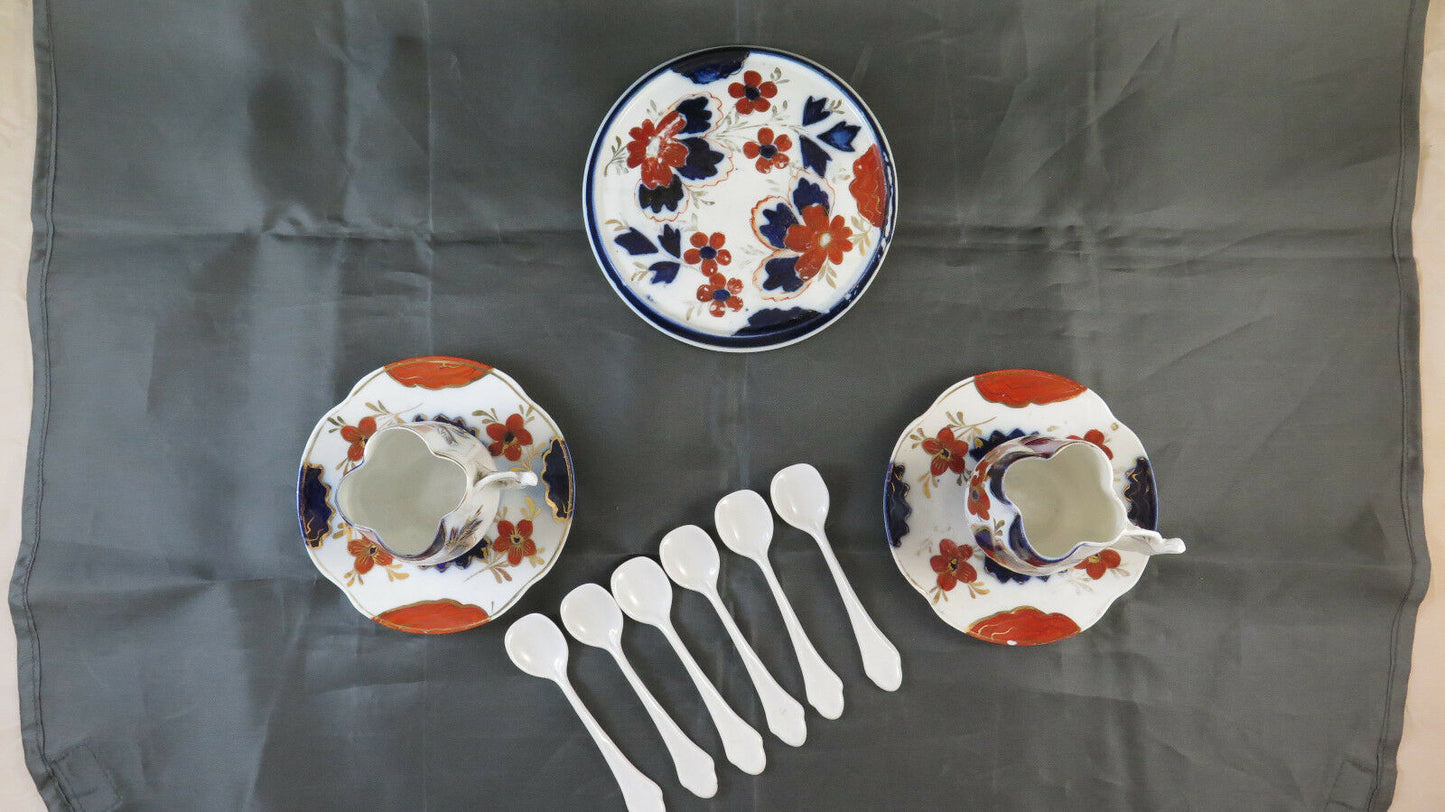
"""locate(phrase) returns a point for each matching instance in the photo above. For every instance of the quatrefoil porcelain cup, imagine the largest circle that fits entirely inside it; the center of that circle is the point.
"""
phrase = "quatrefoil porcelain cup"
(426, 491)
(1040, 505)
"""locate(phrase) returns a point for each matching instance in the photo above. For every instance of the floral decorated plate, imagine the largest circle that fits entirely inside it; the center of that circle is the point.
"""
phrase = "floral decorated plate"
(739, 199)
(523, 542)
(928, 495)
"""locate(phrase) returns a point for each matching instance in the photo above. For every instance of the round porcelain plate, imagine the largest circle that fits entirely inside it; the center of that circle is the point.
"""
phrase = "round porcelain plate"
(521, 545)
(739, 199)
(927, 518)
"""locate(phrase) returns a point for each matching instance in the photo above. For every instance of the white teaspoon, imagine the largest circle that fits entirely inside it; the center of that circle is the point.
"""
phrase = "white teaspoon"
(537, 646)
(591, 616)
(745, 524)
(645, 595)
(801, 498)
(690, 559)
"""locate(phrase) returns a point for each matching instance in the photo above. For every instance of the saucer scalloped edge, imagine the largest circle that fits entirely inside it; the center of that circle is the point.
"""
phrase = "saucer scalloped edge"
(739, 198)
(522, 543)
(928, 494)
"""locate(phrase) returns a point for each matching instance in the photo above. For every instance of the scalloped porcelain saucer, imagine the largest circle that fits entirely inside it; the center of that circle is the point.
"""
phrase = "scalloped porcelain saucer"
(927, 516)
(524, 539)
(739, 199)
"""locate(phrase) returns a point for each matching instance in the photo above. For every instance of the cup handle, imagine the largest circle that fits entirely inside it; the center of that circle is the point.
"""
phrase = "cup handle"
(510, 479)
(1147, 542)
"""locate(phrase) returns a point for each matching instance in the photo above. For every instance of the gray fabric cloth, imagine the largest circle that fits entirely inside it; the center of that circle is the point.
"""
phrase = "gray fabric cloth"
(1199, 209)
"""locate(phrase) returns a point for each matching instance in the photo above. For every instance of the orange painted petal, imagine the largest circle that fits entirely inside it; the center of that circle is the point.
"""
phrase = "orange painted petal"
(436, 372)
(433, 617)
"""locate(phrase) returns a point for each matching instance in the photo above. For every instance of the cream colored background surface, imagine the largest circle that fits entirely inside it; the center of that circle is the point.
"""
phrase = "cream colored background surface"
(1422, 778)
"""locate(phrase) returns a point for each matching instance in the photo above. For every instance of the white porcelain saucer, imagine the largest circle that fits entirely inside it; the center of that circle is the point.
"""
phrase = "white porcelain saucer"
(522, 543)
(739, 199)
(927, 496)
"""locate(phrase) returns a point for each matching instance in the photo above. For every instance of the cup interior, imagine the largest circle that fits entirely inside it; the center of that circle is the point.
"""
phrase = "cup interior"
(1065, 499)
(402, 491)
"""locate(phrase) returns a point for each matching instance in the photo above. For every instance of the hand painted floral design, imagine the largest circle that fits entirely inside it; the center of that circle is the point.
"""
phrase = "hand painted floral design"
(1099, 563)
(770, 151)
(509, 437)
(948, 453)
(1097, 438)
(314, 504)
(1024, 626)
(436, 372)
(636, 243)
(1024, 387)
(870, 186)
(983, 445)
(953, 568)
(357, 435)
(818, 239)
(515, 541)
(752, 93)
(369, 555)
(655, 148)
(978, 501)
(720, 294)
(707, 251)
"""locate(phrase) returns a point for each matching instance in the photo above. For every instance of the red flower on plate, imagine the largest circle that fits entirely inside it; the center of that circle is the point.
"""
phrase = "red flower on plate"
(870, 186)
(952, 565)
(707, 252)
(1097, 438)
(722, 293)
(515, 540)
(949, 454)
(978, 501)
(769, 152)
(1021, 387)
(1099, 563)
(753, 93)
(817, 240)
(509, 438)
(655, 148)
(368, 554)
(357, 435)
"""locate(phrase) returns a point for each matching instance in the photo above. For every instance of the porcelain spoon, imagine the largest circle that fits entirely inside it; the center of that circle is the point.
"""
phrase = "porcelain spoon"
(745, 525)
(537, 646)
(801, 498)
(690, 559)
(644, 594)
(592, 617)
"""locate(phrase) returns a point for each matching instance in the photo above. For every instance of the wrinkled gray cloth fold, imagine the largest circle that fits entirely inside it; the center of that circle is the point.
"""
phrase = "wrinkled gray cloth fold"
(1200, 210)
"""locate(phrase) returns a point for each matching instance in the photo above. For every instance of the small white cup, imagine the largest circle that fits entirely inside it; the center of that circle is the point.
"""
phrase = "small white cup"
(426, 492)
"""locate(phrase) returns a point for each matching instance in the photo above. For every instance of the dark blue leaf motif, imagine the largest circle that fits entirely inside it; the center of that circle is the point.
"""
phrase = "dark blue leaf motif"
(1139, 494)
(664, 272)
(814, 157)
(840, 136)
(814, 110)
(782, 274)
(986, 444)
(895, 506)
(313, 497)
(671, 241)
(770, 319)
(557, 477)
(663, 197)
(712, 65)
(697, 115)
(777, 222)
(633, 242)
(807, 193)
(702, 159)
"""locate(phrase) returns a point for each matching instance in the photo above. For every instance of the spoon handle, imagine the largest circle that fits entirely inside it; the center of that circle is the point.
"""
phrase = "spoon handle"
(638, 791)
(880, 658)
(824, 689)
(695, 770)
(785, 714)
(742, 745)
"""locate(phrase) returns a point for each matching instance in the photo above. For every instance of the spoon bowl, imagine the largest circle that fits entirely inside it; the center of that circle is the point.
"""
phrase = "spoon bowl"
(643, 591)
(690, 558)
(801, 497)
(745, 524)
(536, 646)
(591, 615)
